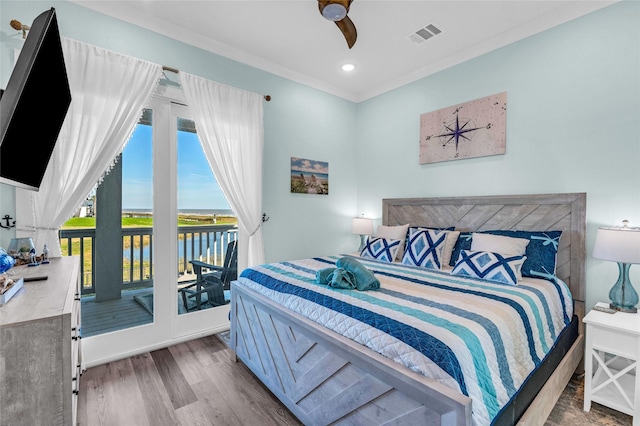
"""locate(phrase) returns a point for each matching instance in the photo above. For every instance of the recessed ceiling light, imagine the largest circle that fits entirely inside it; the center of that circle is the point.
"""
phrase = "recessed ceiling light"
(348, 67)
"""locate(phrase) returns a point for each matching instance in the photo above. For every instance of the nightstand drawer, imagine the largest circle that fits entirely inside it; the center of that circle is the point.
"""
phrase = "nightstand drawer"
(614, 343)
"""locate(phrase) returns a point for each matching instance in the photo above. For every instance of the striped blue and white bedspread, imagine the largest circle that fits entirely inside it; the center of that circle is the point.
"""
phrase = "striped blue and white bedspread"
(480, 338)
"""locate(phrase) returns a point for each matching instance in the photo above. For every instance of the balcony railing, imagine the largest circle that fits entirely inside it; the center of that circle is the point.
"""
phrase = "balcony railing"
(207, 243)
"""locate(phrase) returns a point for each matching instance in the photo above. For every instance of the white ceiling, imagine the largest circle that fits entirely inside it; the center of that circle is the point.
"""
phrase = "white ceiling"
(291, 39)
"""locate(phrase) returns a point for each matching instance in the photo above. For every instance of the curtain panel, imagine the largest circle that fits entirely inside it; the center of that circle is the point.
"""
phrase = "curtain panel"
(229, 123)
(108, 91)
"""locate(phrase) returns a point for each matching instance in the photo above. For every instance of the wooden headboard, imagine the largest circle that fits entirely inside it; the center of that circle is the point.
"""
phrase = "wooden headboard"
(539, 212)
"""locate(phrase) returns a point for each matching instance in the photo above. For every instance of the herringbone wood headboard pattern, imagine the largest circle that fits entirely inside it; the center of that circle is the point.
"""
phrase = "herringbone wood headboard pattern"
(540, 212)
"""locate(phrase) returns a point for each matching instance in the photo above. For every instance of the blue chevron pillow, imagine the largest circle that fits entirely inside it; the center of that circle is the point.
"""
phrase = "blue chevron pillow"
(380, 249)
(489, 266)
(541, 252)
(425, 248)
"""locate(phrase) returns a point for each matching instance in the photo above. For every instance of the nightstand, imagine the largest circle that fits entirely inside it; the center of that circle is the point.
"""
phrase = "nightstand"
(612, 353)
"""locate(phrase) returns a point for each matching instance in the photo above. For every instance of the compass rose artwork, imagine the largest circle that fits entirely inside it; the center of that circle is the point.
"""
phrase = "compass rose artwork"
(476, 128)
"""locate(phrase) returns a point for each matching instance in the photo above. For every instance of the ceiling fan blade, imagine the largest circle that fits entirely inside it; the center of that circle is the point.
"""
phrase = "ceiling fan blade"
(349, 31)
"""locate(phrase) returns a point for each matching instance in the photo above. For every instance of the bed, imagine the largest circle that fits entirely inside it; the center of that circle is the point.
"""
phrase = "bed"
(324, 377)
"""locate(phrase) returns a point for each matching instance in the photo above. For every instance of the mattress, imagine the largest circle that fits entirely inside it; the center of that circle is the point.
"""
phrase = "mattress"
(480, 338)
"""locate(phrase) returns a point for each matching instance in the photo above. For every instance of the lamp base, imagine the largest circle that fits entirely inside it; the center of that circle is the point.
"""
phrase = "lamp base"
(623, 309)
(362, 243)
(622, 295)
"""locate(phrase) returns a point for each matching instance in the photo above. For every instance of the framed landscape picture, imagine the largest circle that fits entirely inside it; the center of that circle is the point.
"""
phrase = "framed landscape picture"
(476, 128)
(309, 176)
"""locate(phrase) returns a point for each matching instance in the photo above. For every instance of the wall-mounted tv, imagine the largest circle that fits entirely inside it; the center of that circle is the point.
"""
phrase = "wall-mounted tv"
(33, 105)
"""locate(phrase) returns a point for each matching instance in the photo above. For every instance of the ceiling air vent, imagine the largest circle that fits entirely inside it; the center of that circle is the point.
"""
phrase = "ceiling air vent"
(423, 34)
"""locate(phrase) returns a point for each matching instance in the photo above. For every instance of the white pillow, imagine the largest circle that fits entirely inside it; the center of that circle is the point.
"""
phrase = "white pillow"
(499, 244)
(449, 244)
(394, 233)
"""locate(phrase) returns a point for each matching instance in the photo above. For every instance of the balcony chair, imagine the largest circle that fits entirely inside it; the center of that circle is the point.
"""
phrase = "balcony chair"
(211, 280)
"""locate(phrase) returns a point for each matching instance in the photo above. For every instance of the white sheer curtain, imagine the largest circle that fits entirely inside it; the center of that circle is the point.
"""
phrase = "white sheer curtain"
(229, 125)
(108, 91)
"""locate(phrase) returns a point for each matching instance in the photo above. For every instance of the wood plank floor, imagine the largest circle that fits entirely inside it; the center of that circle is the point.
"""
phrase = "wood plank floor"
(192, 383)
(197, 383)
(568, 411)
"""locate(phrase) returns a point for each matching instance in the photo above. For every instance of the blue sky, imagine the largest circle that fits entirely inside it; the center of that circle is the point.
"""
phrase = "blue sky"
(197, 187)
(309, 166)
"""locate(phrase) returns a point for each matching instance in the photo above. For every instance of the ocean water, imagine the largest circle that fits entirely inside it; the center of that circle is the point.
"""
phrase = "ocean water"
(319, 176)
(193, 249)
(204, 212)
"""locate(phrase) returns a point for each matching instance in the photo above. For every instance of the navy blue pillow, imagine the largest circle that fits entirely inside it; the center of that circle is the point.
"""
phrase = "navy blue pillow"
(463, 243)
(542, 250)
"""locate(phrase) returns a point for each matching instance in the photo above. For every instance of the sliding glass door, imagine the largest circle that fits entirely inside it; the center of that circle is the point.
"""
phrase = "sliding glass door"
(207, 228)
(188, 222)
(205, 224)
(112, 232)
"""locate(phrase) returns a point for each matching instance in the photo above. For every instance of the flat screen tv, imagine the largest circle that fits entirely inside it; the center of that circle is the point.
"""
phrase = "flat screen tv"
(33, 105)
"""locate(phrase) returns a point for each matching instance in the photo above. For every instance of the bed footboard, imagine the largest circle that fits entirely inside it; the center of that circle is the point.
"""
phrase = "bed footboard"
(324, 378)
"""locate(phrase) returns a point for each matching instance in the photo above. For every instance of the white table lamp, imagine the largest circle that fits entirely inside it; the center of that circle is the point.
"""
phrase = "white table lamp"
(621, 245)
(362, 226)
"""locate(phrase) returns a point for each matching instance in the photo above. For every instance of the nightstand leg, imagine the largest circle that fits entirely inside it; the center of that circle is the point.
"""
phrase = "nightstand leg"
(588, 372)
(636, 396)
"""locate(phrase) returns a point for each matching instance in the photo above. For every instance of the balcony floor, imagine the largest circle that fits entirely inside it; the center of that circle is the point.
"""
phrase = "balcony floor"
(113, 315)
(126, 312)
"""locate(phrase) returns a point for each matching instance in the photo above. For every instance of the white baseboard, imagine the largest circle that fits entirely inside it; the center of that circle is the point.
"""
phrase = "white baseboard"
(90, 342)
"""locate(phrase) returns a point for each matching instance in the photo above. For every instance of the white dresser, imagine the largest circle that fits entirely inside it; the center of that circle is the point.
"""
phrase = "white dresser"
(40, 347)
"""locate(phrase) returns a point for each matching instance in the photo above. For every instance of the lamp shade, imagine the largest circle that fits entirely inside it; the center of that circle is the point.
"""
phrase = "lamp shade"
(618, 245)
(362, 226)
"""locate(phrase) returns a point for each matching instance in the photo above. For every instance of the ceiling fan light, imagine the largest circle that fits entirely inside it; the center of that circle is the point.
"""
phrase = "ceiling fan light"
(334, 12)
(348, 67)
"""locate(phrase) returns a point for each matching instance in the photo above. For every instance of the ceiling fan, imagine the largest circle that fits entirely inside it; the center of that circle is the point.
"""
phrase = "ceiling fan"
(336, 11)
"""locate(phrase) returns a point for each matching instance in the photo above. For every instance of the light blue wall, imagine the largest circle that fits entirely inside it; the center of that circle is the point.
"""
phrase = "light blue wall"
(573, 125)
(295, 125)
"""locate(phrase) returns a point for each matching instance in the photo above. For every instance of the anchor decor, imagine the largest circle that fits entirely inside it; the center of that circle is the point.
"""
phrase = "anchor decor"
(8, 222)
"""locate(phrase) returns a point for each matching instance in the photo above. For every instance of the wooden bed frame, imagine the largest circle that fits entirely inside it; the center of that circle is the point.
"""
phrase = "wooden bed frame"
(324, 378)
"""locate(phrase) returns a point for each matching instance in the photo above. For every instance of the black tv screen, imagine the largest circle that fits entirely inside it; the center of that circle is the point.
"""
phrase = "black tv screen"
(33, 105)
